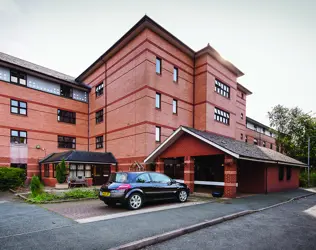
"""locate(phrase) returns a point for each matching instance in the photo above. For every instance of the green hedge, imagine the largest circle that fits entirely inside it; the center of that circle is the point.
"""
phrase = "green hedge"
(11, 178)
(304, 179)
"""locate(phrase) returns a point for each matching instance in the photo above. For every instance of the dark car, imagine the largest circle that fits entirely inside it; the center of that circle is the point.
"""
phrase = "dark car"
(135, 188)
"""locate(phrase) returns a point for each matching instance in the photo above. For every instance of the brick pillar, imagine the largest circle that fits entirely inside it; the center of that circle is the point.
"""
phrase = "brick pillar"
(189, 172)
(160, 166)
(230, 177)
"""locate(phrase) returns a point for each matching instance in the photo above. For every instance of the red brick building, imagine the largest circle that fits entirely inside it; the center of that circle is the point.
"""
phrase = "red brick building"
(129, 101)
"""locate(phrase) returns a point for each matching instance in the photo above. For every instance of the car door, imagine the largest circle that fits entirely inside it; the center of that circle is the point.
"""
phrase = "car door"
(164, 189)
(144, 182)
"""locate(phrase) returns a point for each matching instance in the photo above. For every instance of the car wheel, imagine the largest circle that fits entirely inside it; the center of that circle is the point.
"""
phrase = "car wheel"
(135, 201)
(182, 196)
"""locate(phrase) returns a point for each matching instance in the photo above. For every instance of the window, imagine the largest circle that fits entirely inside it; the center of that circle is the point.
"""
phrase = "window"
(174, 106)
(18, 107)
(281, 173)
(99, 142)
(241, 116)
(18, 77)
(222, 88)
(264, 144)
(158, 130)
(221, 116)
(246, 139)
(79, 170)
(46, 170)
(175, 74)
(66, 91)
(271, 145)
(99, 90)
(99, 116)
(288, 173)
(66, 116)
(18, 137)
(241, 136)
(66, 142)
(143, 178)
(158, 100)
(255, 141)
(54, 169)
(160, 178)
(158, 65)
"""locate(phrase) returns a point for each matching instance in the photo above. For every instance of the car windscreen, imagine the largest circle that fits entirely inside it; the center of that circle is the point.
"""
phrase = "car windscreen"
(119, 177)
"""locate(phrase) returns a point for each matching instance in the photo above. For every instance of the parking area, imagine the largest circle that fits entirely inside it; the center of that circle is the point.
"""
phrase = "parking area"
(97, 210)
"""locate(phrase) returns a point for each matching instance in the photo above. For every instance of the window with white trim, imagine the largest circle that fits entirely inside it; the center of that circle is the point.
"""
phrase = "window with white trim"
(158, 134)
(221, 116)
(222, 88)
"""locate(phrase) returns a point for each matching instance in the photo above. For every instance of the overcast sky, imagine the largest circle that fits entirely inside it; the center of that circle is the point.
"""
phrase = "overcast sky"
(272, 42)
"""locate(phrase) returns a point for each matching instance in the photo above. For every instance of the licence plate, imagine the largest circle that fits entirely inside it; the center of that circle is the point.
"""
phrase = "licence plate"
(105, 194)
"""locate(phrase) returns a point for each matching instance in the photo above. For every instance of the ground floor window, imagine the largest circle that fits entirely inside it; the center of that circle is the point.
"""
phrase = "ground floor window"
(288, 173)
(79, 170)
(46, 170)
(281, 173)
(18, 165)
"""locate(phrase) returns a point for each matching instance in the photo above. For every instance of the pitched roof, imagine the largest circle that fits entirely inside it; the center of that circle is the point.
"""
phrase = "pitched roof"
(147, 22)
(80, 156)
(39, 69)
(235, 148)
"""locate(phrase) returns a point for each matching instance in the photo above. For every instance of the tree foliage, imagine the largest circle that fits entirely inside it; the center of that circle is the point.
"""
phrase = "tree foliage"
(61, 172)
(293, 128)
(36, 186)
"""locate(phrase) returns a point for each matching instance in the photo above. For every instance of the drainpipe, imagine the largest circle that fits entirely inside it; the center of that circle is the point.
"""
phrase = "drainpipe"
(193, 122)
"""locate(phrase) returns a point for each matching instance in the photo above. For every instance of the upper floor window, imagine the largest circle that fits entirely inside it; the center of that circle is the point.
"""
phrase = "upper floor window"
(255, 141)
(66, 91)
(264, 144)
(99, 89)
(158, 100)
(99, 116)
(175, 74)
(222, 88)
(158, 65)
(18, 77)
(221, 116)
(18, 107)
(174, 106)
(99, 142)
(241, 116)
(18, 137)
(66, 142)
(66, 116)
(158, 131)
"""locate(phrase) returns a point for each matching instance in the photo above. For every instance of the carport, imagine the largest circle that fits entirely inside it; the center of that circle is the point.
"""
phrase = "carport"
(203, 159)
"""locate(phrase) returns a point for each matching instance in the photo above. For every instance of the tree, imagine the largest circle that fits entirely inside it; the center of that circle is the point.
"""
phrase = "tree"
(293, 128)
(36, 186)
(61, 172)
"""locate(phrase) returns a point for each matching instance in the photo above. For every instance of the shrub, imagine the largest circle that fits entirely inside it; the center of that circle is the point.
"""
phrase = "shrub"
(36, 186)
(80, 193)
(61, 172)
(11, 178)
(304, 178)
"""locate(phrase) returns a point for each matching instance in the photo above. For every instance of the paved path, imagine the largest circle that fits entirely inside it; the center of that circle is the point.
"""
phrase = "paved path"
(24, 226)
(289, 226)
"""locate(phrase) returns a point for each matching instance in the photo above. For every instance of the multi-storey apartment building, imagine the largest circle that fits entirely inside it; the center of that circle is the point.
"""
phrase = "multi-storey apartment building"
(128, 102)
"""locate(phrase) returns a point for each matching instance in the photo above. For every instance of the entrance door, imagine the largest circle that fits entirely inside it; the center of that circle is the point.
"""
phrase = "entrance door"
(101, 174)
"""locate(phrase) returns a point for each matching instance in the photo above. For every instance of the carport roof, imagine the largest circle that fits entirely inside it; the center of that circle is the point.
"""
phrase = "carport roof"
(80, 157)
(237, 149)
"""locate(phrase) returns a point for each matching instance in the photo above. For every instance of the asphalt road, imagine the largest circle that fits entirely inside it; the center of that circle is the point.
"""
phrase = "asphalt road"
(285, 227)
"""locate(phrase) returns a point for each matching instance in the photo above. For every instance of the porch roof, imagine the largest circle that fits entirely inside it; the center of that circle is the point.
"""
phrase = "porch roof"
(238, 149)
(75, 156)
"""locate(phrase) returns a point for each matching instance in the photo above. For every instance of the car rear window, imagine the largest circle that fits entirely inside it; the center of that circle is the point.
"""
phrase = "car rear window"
(120, 178)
